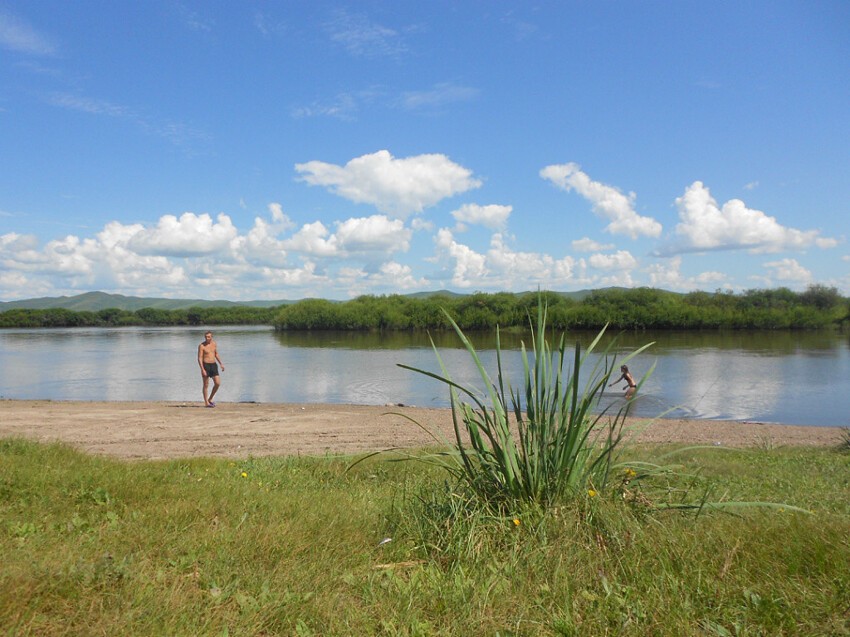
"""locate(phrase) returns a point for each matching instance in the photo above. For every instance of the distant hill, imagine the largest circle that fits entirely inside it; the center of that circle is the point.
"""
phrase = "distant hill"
(94, 301)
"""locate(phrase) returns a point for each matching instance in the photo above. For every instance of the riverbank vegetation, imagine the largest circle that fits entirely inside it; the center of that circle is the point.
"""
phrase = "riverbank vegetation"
(641, 308)
(112, 317)
(310, 546)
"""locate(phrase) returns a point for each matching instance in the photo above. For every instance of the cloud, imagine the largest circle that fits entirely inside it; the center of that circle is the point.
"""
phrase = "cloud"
(589, 245)
(789, 270)
(363, 38)
(492, 216)
(501, 267)
(373, 234)
(667, 275)
(267, 26)
(194, 21)
(177, 133)
(18, 36)
(438, 96)
(312, 239)
(344, 106)
(470, 266)
(620, 260)
(704, 225)
(190, 235)
(394, 186)
(390, 275)
(260, 245)
(420, 224)
(178, 255)
(103, 262)
(608, 202)
(88, 105)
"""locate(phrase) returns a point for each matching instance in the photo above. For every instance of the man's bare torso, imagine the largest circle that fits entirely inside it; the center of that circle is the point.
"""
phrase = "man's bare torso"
(208, 351)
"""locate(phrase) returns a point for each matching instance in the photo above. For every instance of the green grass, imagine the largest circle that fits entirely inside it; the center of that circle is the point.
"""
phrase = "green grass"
(92, 546)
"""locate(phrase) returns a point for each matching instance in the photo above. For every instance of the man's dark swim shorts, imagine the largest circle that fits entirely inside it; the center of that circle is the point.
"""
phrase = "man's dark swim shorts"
(211, 369)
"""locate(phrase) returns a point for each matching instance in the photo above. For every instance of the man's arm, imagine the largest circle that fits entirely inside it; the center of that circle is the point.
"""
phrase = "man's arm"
(201, 360)
(218, 358)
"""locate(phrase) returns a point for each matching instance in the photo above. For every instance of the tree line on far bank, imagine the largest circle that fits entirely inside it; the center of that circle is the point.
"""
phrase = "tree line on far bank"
(148, 316)
(817, 307)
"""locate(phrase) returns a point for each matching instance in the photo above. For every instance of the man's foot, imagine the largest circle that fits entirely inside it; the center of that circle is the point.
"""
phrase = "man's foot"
(212, 404)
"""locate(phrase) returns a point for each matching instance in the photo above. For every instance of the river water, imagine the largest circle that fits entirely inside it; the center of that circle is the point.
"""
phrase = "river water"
(790, 378)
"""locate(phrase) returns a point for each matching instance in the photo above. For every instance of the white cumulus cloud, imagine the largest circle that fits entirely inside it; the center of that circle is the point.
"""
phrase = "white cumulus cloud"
(789, 270)
(377, 233)
(620, 260)
(400, 187)
(587, 244)
(190, 235)
(668, 275)
(608, 202)
(705, 225)
(501, 267)
(492, 216)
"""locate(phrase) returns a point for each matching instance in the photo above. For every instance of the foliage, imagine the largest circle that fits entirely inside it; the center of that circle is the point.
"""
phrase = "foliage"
(113, 317)
(844, 445)
(549, 441)
(633, 309)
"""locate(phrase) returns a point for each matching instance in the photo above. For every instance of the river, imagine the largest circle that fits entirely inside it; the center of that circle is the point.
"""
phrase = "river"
(791, 378)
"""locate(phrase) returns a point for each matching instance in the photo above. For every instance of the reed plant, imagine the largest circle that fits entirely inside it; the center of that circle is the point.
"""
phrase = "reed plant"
(545, 441)
(553, 440)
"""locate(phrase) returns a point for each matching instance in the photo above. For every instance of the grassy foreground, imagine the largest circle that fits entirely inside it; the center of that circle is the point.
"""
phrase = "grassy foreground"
(293, 546)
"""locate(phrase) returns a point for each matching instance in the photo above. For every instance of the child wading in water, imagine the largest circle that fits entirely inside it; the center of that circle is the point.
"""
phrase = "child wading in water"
(632, 387)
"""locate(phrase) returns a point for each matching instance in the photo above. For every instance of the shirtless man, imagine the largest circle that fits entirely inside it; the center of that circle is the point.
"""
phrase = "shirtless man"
(207, 357)
(627, 376)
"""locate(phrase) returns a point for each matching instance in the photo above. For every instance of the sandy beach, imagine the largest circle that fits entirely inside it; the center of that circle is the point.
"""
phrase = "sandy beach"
(159, 430)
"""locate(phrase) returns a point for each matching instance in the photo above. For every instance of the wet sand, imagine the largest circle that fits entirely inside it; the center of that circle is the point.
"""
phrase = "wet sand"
(158, 430)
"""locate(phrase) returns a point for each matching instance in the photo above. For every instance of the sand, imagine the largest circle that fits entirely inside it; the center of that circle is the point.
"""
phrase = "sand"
(159, 430)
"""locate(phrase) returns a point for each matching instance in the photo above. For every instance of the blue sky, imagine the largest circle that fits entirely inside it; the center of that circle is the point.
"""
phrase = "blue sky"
(281, 150)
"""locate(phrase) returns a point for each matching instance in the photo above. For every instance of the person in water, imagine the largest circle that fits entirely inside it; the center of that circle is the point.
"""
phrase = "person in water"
(208, 361)
(626, 376)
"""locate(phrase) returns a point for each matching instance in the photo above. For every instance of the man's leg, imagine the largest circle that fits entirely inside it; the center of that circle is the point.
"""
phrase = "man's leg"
(216, 385)
(206, 386)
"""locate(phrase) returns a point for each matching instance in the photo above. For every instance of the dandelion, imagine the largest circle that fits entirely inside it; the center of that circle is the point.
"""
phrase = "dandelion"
(630, 473)
(244, 474)
(592, 493)
(516, 522)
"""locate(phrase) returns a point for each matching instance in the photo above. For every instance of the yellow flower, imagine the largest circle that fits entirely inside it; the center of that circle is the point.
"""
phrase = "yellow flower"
(516, 522)
(630, 473)
(591, 493)
(244, 475)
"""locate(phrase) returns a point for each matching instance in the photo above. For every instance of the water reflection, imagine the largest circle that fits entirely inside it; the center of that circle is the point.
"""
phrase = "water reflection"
(782, 377)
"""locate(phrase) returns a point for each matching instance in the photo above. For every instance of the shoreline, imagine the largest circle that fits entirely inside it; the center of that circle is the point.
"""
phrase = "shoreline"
(156, 430)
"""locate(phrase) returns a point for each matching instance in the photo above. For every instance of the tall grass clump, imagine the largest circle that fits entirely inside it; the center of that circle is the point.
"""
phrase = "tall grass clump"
(543, 442)
(844, 444)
